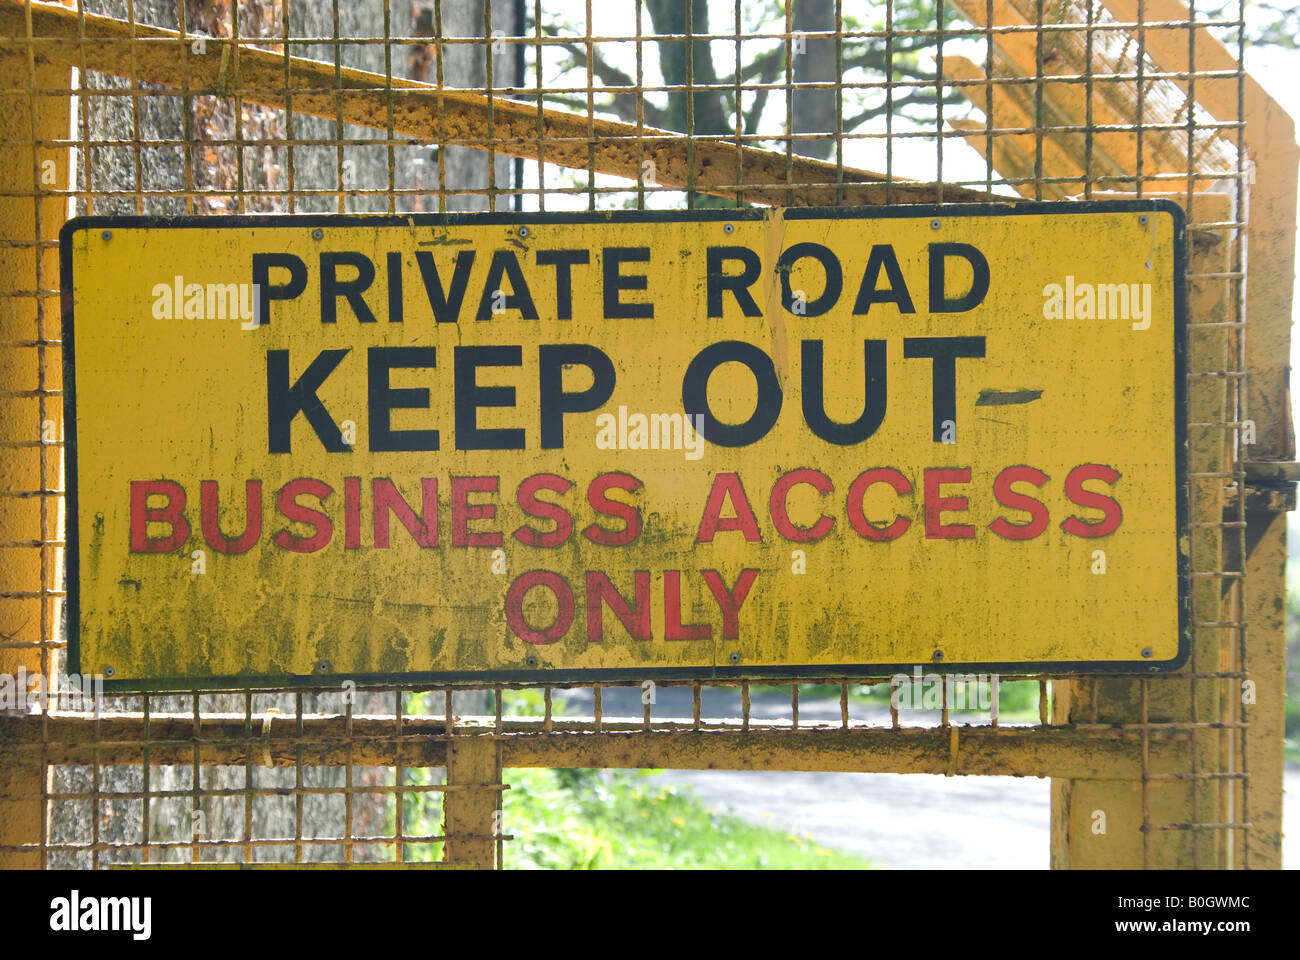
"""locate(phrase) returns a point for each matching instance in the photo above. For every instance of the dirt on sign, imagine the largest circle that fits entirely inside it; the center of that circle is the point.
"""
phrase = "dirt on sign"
(739, 443)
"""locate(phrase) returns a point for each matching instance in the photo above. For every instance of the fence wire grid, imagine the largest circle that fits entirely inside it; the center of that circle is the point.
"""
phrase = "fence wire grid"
(626, 104)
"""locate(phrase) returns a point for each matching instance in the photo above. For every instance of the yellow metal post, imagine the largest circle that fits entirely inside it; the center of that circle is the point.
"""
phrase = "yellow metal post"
(1274, 163)
(1263, 706)
(1160, 820)
(1271, 160)
(471, 821)
(31, 419)
(1274, 159)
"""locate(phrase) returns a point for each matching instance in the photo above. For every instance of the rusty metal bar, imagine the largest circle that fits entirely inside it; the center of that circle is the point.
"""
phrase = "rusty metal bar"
(1076, 752)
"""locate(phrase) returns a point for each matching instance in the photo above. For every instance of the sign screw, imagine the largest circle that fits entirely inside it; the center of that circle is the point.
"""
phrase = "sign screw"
(728, 228)
(531, 661)
(317, 233)
(1143, 219)
(938, 655)
(323, 666)
(109, 671)
(934, 224)
(107, 234)
(523, 231)
(734, 658)
(1146, 651)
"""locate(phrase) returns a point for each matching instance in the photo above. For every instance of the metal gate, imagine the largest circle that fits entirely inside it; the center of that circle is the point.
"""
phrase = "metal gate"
(205, 107)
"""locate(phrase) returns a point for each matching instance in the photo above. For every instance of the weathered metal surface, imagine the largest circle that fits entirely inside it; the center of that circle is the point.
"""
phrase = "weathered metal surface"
(475, 765)
(319, 865)
(1081, 753)
(338, 491)
(1273, 166)
(30, 409)
(1264, 607)
(1069, 134)
(1112, 822)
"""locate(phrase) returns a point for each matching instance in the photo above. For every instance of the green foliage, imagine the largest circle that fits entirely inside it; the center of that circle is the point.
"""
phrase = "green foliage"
(1017, 699)
(1266, 24)
(590, 819)
(593, 819)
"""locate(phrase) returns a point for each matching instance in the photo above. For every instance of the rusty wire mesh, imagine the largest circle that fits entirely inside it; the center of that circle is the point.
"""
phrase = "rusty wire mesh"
(665, 105)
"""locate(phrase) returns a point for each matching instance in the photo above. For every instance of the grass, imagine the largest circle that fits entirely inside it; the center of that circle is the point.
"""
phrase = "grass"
(616, 819)
(590, 819)
(622, 820)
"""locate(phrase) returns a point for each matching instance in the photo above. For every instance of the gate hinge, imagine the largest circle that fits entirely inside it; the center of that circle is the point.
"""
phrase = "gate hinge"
(1271, 485)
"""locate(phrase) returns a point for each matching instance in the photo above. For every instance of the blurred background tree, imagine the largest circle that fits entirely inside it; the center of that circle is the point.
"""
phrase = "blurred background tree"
(719, 66)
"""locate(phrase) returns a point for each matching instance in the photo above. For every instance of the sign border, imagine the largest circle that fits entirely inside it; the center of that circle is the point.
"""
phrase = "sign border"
(581, 677)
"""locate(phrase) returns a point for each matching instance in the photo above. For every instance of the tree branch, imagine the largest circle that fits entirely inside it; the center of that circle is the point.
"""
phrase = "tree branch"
(911, 100)
(766, 75)
(622, 105)
(760, 64)
(875, 60)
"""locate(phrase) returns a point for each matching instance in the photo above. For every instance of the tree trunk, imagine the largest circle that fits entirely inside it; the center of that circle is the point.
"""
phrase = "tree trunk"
(815, 111)
(669, 17)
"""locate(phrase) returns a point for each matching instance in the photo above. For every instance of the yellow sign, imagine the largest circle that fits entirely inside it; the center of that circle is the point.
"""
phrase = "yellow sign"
(597, 446)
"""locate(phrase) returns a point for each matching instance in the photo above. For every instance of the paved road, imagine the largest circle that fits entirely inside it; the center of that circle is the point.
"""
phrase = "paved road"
(915, 821)
(895, 820)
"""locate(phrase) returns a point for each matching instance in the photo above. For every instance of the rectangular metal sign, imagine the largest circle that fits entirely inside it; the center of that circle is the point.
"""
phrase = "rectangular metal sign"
(622, 445)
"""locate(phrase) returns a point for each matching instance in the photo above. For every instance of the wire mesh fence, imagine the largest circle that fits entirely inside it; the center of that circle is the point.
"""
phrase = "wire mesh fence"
(209, 107)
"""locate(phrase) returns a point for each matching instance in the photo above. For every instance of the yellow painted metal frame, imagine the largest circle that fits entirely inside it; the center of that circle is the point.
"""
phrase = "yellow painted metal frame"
(1146, 772)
